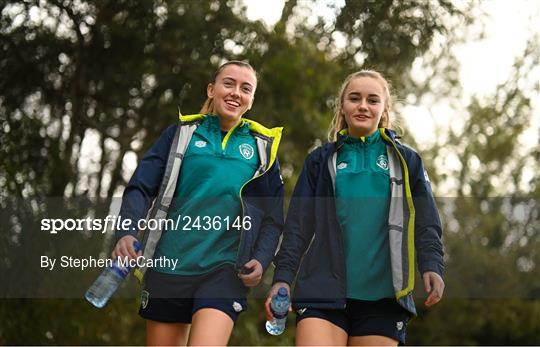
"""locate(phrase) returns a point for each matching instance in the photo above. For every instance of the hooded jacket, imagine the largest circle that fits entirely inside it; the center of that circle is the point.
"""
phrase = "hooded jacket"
(151, 189)
(312, 251)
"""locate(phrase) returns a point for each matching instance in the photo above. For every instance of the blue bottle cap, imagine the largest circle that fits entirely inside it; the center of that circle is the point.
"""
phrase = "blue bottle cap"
(282, 292)
(137, 246)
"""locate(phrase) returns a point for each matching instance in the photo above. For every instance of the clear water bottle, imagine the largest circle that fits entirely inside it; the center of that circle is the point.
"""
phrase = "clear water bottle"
(108, 282)
(279, 307)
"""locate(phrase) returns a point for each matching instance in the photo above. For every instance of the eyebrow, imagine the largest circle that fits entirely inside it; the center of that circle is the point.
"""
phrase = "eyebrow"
(357, 94)
(232, 79)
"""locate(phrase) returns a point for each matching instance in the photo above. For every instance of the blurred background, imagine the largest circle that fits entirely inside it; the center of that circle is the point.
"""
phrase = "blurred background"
(87, 86)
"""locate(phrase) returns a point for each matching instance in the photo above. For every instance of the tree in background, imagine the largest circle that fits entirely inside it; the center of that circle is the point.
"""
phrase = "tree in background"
(87, 86)
(491, 221)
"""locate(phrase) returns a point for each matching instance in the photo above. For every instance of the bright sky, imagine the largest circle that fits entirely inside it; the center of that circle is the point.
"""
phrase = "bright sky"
(484, 63)
(268, 11)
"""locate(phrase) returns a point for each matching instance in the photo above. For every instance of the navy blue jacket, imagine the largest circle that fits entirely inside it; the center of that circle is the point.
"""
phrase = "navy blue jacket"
(312, 251)
(261, 197)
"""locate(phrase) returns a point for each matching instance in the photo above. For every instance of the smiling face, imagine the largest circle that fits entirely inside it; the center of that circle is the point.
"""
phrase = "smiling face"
(232, 94)
(363, 105)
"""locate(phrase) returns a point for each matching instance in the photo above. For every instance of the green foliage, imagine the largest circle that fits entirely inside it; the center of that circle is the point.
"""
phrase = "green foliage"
(114, 73)
(492, 222)
(66, 321)
(460, 321)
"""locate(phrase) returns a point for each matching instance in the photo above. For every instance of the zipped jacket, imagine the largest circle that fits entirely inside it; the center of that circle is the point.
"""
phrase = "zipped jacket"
(151, 190)
(312, 250)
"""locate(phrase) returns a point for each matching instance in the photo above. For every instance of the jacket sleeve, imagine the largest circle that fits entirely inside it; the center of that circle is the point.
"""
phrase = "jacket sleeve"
(272, 223)
(143, 186)
(428, 230)
(299, 225)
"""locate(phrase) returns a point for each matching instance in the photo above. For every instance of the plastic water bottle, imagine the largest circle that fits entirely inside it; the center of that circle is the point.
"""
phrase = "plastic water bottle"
(108, 282)
(279, 307)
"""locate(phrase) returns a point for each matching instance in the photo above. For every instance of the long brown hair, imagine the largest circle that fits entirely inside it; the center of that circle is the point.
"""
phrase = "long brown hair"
(338, 122)
(208, 106)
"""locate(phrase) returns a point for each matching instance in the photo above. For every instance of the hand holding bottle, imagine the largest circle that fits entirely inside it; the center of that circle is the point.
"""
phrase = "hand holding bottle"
(125, 247)
(271, 293)
(110, 279)
(279, 306)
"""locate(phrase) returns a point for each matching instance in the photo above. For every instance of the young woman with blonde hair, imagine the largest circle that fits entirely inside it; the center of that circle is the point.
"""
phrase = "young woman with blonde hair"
(361, 212)
(217, 176)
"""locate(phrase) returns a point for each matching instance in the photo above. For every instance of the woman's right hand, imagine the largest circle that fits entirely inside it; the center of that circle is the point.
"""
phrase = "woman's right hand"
(271, 293)
(124, 248)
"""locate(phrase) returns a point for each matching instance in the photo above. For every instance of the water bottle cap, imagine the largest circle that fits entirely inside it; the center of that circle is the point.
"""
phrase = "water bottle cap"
(282, 292)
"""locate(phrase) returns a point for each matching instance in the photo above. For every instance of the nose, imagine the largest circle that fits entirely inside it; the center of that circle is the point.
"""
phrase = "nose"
(235, 92)
(362, 105)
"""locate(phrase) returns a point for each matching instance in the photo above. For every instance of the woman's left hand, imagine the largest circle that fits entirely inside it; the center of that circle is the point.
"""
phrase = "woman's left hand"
(434, 285)
(253, 273)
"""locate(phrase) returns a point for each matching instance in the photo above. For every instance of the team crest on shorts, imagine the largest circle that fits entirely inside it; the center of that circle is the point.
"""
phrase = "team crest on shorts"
(399, 325)
(382, 162)
(200, 144)
(246, 150)
(237, 307)
(144, 298)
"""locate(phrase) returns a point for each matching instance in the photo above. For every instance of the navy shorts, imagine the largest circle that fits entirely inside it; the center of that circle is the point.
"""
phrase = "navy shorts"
(174, 299)
(360, 318)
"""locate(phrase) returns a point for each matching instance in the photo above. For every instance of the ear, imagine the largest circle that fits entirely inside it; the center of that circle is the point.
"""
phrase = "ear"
(210, 90)
(383, 122)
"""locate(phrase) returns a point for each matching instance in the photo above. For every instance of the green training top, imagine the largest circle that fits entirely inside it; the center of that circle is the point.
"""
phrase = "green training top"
(207, 199)
(362, 203)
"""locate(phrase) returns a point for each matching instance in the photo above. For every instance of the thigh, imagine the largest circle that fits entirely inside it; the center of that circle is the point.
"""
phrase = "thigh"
(313, 331)
(210, 327)
(166, 334)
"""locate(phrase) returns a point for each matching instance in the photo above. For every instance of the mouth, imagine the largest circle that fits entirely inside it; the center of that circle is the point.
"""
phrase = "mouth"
(232, 103)
(361, 116)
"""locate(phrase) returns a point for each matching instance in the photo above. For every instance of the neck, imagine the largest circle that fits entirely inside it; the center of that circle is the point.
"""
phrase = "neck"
(360, 133)
(228, 124)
